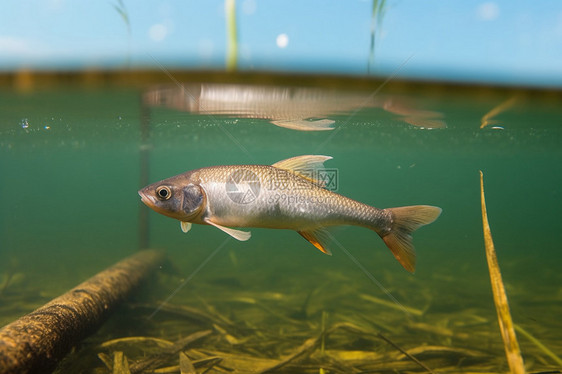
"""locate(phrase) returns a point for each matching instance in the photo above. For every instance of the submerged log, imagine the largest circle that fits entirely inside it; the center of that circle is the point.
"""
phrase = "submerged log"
(37, 341)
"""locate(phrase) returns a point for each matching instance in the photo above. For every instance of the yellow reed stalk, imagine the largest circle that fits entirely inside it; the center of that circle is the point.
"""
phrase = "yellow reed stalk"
(232, 35)
(487, 118)
(510, 343)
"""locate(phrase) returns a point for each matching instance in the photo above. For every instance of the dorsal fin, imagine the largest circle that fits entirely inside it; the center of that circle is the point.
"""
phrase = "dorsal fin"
(307, 167)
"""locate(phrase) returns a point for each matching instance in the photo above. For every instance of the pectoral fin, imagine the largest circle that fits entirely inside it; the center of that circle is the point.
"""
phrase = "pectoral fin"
(236, 234)
(185, 226)
(318, 237)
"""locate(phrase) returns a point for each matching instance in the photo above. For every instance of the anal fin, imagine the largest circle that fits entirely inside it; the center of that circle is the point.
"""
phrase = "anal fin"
(236, 234)
(318, 238)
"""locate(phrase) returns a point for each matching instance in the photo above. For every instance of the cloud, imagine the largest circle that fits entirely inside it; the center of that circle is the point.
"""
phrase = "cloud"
(488, 11)
(157, 32)
(282, 40)
(15, 47)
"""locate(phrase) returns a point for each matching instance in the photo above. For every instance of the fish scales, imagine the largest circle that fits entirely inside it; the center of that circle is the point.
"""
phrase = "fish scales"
(285, 200)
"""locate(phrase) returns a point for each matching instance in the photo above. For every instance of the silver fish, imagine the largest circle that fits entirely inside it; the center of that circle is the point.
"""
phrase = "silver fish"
(296, 108)
(289, 194)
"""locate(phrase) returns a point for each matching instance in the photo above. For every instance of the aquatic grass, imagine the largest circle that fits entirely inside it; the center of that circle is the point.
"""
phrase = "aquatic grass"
(540, 345)
(393, 305)
(231, 35)
(377, 15)
(120, 8)
(120, 363)
(487, 119)
(252, 331)
(511, 345)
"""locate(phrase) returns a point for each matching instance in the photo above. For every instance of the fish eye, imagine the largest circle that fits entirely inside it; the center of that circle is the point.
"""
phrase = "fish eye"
(163, 192)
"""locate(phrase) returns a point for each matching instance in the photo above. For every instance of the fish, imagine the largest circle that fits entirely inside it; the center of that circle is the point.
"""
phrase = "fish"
(291, 194)
(294, 108)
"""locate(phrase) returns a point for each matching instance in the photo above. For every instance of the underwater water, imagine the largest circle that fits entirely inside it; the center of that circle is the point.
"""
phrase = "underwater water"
(72, 160)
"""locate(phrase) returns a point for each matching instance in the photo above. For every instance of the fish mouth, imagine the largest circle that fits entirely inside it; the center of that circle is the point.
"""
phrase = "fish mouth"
(152, 202)
(146, 199)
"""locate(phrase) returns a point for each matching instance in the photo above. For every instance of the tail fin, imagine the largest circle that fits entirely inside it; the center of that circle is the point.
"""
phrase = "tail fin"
(405, 220)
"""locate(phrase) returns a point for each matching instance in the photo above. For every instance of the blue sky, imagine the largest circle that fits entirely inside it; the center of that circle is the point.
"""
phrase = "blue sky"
(516, 41)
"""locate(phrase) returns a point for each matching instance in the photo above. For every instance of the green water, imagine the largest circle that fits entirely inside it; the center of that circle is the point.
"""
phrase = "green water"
(70, 170)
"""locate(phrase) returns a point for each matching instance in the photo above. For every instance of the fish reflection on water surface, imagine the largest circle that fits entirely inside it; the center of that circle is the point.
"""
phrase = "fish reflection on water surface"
(289, 194)
(295, 108)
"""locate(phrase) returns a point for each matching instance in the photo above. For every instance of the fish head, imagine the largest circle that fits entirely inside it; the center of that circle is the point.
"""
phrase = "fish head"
(175, 197)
